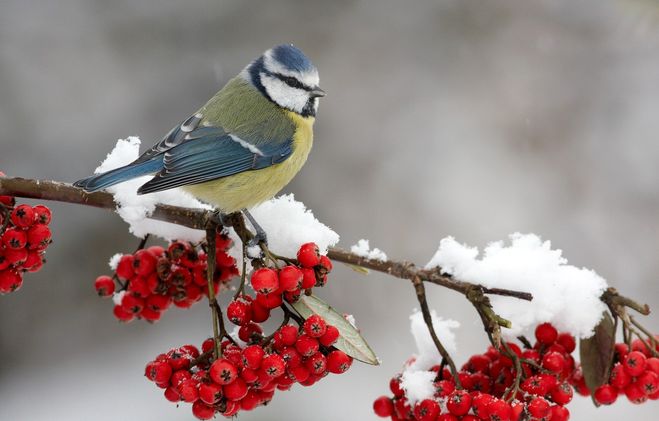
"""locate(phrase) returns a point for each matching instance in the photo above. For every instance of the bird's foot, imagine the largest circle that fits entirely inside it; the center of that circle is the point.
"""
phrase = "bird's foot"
(221, 218)
(260, 237)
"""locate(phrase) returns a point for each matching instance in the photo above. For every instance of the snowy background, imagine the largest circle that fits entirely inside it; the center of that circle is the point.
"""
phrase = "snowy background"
(465, 118)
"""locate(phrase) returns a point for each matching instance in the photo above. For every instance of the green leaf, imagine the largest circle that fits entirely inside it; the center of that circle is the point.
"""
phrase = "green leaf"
(597, 353)
(350, 340)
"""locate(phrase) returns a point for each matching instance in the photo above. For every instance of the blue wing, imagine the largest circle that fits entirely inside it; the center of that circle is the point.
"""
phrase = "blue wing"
(189, 154)
(209, 153)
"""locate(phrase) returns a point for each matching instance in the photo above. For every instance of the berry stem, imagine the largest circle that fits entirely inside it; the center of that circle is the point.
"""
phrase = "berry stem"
(142, 243)
(243, 273)
(427, 318)
(511, 393)
(212, 302)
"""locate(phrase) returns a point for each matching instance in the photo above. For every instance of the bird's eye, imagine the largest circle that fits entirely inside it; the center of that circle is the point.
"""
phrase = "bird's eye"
(291, 81)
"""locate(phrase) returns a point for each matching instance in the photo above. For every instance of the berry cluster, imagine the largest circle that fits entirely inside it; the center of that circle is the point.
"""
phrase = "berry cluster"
(488, 386)
(274, 286)
(24, 237)
(147, 282)
(635, 374)
(245, 377)
(253, 365)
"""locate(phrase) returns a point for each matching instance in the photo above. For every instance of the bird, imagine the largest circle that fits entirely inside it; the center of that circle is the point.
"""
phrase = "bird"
(241, 147)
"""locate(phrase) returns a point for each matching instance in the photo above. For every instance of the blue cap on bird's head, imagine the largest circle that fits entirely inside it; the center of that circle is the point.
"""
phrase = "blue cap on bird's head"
(285, 76)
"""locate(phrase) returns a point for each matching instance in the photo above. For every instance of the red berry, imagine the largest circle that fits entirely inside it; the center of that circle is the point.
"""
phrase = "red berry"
(561, 394)
(290, 278)
(34, 261)
(171, 394)
(559, 413)
(252, 356)
(288, 335)
(10, 281)
(554, 362)
(338, 362)
(330, 337)
(144, 262)
(265, 281)
(308, 255)
(202, 411)
(605, 394)
(652, 364)
(648, 381)
(308, 278)
(269, 301)
(383, 407)
(619, 376)
(38, 237)
(158, 371)
(16, 257)
(317, 364)
(395, 387)
(121, 314)
(546, 334)
(539, 407)
(42, 214)
(223, 372)
(125, 267)
(22, 216)
(306, 345)
(104, 286)
(634, 363)
(14, 238)
(459, 402)
(426, 410)
(635, 393)
(132, 304)
(499, 410)
(315, 326)
(236, 390)
(290, 356)
(251, 332)
(273, 365)
(444, 417)
(567, 341)
(443, 388)
(158, 302)
(300, 373)
(239, 312)
(325, 263)
(260, 313)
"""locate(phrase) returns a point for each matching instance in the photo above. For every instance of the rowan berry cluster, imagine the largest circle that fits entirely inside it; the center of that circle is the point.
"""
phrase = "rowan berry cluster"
(148, 282)
(24, 237)
(489, 389)
(635, 374)
(273, 286)
(246, 376)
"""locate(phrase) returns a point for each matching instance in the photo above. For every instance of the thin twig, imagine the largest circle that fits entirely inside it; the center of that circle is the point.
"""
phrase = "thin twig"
(212, 302)
(427, 318)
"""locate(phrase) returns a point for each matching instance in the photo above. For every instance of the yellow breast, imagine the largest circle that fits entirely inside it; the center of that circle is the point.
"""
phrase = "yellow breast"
(250, 188)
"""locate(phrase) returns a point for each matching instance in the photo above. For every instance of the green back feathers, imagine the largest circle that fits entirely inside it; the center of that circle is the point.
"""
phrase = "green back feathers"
(242, 110)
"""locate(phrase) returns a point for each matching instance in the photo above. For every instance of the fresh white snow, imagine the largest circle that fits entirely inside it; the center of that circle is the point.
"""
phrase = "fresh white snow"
(564, 295)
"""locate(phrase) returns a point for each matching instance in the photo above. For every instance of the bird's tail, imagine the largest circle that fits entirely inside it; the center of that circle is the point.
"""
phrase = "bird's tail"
(118, 175)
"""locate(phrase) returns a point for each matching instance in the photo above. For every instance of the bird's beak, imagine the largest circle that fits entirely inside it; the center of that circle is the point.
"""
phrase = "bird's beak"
(317, 92)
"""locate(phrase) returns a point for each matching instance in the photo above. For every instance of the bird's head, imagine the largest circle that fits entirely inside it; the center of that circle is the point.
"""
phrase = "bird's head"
(286, 77)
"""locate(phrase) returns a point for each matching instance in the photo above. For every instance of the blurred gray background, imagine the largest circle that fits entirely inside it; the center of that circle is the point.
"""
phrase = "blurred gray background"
(457, 117)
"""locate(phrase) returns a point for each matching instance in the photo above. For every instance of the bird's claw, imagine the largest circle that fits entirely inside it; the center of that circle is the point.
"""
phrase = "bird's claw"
(259, 238)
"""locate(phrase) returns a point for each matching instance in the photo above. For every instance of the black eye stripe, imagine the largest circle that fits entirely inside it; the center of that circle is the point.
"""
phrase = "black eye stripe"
(292, 82)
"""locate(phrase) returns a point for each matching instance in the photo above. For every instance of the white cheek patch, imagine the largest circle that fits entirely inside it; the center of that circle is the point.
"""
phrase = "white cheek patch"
(308, 78)
(284, 95)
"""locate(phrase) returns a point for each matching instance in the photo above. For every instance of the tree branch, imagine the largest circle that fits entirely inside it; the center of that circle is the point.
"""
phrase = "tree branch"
(201, 219)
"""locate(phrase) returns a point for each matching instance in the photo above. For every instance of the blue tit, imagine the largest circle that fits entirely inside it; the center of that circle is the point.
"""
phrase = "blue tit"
(244, 145)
